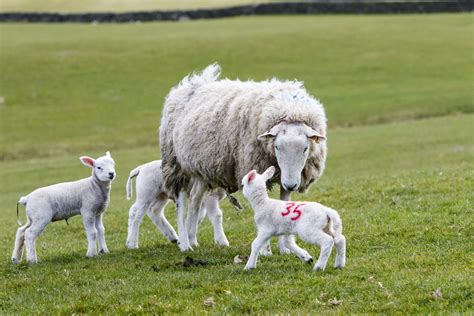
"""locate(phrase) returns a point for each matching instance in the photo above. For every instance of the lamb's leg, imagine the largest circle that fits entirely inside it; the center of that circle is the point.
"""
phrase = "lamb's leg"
(157, 215)
(257, 244)
(99, 225)
(301, 253)
(195, 201)
(183, 239)
(340, 243)
(135, 217)
(19, 243)
(91, 233)
(211, 203)
(31, 234)
(326, 243)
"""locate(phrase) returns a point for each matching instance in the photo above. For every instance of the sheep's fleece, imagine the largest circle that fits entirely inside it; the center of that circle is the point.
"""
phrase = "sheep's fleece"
(209, 129)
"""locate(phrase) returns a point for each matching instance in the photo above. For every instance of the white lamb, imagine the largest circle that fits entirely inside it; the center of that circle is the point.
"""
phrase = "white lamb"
(312, 222)
(88, 197)
(152, 199)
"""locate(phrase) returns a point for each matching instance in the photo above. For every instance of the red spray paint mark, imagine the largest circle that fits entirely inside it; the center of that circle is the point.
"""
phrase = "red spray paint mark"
(292, 207)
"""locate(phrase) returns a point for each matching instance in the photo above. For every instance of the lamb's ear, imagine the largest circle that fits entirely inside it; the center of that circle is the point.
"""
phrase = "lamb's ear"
(87, 161)
(268, 174)
(249, 177)
(108, 154)
(315, 136)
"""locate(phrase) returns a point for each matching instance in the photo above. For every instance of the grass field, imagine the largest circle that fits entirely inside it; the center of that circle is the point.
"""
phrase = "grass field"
(118, 5)
(399, 98)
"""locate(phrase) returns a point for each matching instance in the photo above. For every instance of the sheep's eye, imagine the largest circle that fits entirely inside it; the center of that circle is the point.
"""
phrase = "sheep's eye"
(305, 149)
(277, 148)
(100, 168)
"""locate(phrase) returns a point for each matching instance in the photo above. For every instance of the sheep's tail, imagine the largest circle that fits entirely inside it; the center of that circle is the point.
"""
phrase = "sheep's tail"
(128, 186)
(23, 200)
(334, 223)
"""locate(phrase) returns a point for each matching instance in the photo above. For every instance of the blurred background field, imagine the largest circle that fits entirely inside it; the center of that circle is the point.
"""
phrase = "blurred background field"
(398, 92)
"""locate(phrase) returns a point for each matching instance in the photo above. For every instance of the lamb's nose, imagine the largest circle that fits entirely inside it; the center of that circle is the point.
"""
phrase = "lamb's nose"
(111, 175)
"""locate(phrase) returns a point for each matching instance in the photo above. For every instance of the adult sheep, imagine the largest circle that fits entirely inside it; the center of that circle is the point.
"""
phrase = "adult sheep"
(213, 132)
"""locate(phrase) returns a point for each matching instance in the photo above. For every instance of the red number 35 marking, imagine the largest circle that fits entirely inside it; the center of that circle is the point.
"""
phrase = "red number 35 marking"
(293, 207)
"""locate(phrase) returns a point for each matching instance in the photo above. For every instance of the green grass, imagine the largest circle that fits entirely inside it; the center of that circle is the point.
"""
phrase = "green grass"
(400, 165)
(118, 5)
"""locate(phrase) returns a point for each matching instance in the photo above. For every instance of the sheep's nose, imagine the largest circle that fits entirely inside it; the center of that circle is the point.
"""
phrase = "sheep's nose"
(111, 175)
(290, 187)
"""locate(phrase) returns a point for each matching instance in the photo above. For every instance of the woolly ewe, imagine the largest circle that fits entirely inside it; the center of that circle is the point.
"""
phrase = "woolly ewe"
(152, 199)
(214, 131)
(88, 197)
(312, 222)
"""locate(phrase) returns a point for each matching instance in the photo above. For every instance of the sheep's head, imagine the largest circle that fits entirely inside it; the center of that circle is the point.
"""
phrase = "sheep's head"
(103, 167)
(254, 181)
(292, 143)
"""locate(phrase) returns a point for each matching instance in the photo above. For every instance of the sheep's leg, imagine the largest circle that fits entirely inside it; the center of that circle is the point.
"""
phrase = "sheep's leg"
(340, 243)
(31, 234)
(196, 197)
(157, 216)
(91, 233)
(19, 243)
(211, 203)
(301, 253)
(257, 244)
(99, 225)
(183, 239)
(324, 241)
(284, 196)
(135, 217)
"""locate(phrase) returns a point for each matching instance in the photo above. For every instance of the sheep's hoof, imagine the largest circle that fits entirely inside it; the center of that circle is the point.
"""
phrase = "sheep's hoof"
(248, 268)
(15, 261)
(102, 251)
(310, 260)
(174, 241)
(317, 269)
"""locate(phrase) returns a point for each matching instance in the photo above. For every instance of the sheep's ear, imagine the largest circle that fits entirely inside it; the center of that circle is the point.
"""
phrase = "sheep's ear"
(87, 161)
(108, 154)
(315, 136)
(272, 133)
(268, 174)
(266, 136)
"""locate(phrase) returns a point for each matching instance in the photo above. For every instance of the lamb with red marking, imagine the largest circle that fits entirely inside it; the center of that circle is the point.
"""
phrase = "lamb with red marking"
(312, 222)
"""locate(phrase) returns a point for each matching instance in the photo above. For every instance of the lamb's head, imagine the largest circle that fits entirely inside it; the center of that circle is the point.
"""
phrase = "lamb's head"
(292, 143)
(103, 168)
(254, 182)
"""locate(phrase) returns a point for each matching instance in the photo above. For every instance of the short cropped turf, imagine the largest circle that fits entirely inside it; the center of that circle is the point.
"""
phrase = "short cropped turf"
(398, 96)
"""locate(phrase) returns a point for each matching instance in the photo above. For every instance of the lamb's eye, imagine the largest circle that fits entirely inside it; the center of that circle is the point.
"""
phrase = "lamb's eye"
(305, 149)
(100, 168)
(277, 148)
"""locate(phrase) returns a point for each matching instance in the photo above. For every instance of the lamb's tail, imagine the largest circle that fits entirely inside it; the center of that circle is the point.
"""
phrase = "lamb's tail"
(128, 186)
(23, 200)
(335, 223)
(209, 74)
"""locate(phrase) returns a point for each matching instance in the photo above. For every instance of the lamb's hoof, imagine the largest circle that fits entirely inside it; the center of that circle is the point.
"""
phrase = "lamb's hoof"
(91, 255)
(132, 245)
(310, 260)
(103, 251)
(185, 248)
(339, 267)
(15, 261)
(317, 269)
(248, 268)
(223, 243)
(265, 252)
(174, 241)
(285, 251)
